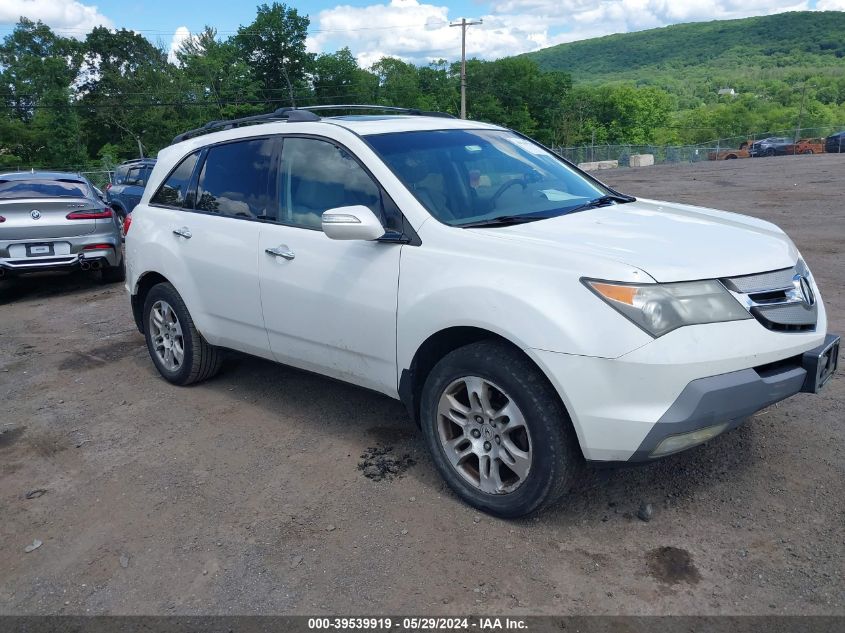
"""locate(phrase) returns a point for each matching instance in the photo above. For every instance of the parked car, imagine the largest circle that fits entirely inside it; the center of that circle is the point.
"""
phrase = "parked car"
(527, 315)
(731, 154)
(55, 221)
(773, 146)
(809, 146)
(835, 143)
(130, 178)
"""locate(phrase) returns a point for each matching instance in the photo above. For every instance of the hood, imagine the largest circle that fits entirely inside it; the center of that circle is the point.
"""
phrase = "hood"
(671, 242)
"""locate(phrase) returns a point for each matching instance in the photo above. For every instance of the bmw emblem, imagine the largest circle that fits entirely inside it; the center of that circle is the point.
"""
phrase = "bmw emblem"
(35, 213)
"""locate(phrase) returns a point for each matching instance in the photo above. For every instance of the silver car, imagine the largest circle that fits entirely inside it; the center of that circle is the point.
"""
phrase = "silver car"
(56, 221)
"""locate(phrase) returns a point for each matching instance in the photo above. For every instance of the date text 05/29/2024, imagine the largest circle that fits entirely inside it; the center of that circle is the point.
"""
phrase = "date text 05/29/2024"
(418, 623)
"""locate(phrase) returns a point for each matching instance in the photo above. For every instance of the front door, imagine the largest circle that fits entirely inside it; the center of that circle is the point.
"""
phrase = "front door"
(329, 306)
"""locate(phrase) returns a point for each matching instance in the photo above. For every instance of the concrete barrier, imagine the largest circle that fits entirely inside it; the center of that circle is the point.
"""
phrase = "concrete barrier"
(601, 164)
(641, 160)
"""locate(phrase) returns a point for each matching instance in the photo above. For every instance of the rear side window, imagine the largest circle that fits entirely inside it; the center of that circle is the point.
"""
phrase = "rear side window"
(120, 175)
(137, 176)
(174, 191)
(238, 180)
(43, 189)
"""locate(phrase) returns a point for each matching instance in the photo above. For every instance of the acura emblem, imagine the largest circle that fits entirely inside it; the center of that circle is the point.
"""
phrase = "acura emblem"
(807, 292)
(35, 213)
(803, 290)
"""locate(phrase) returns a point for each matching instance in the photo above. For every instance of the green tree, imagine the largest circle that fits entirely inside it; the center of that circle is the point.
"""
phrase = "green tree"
(212, 76)
(398, 82)
(33, 62)
(127, 93)
(336, 78)
(273, 46)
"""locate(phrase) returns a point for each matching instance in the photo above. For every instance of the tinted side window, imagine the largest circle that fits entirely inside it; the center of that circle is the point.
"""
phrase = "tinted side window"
(317, 176)
(238, 180)
(174, 190)
(134, 177)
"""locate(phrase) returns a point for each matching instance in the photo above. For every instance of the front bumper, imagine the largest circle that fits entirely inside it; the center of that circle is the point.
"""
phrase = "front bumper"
(614, 403)
(724, 402)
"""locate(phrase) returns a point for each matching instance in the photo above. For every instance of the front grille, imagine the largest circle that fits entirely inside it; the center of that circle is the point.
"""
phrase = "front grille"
(775, 299)
(791, 317)
(762, 282)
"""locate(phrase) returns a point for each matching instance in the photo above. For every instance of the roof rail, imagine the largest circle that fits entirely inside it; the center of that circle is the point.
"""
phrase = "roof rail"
(397, 110)
(282, 114)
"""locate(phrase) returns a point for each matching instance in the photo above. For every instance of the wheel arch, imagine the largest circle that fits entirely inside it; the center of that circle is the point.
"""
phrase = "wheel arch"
(143, 286)
(438, 345)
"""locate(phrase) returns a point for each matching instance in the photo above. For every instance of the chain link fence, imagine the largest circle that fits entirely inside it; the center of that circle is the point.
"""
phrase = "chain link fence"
(718, 149)
(99, 178)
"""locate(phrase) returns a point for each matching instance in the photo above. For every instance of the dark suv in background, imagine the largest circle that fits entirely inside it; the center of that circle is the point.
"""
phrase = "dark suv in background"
(130, 178)
(772, 146)
(835, 143)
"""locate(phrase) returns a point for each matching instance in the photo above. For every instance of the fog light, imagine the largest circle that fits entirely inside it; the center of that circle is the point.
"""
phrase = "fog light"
(675, 443)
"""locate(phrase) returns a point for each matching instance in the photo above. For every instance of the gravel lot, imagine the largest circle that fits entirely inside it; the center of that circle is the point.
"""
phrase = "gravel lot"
(249, 493)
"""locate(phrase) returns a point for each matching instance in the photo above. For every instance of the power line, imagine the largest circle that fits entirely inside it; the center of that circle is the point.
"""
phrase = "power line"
(173, 104)
(11, 29)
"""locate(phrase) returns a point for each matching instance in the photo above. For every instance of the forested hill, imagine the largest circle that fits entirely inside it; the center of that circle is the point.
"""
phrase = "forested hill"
(723, 51)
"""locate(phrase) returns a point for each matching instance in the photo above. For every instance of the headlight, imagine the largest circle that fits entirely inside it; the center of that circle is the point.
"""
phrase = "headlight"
(661, 308)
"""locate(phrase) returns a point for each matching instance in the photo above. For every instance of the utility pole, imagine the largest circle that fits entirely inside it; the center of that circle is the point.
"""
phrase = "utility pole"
(464, 23)
(800, 114)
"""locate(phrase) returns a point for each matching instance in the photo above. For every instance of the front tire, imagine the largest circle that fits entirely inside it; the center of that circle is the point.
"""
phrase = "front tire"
(179, 352)
(497, 430)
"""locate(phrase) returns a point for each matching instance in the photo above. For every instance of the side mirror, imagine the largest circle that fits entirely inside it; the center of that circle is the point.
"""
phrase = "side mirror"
(352, 223)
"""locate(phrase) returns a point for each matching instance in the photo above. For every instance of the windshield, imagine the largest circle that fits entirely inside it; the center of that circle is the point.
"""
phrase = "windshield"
(43, 189)
(466, 176)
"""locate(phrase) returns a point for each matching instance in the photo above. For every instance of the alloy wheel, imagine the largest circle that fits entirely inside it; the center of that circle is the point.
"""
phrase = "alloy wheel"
(484, 435)
(166, 335)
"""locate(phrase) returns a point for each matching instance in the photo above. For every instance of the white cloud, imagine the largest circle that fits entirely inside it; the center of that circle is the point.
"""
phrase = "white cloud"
(68, 17)
(181, 34)
(420, 32)
(830, 5)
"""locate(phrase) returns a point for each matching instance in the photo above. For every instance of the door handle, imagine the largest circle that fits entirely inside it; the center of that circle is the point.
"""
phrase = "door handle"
(183, 232)
(280, 251)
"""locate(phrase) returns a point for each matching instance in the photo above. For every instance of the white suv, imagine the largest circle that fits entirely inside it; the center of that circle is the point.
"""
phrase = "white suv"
(527, 315)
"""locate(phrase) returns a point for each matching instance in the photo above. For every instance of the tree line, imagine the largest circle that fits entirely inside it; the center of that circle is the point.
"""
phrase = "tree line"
(114, 95)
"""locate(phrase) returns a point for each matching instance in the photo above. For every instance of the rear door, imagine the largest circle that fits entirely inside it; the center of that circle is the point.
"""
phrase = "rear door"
(133, 187)
(329, 305)
(214, 237)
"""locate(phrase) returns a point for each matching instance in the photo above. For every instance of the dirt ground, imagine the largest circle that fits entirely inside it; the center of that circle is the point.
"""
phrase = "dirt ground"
(249, 493)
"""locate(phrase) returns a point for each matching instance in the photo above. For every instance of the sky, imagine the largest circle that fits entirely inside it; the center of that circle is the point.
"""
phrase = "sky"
(413, 30)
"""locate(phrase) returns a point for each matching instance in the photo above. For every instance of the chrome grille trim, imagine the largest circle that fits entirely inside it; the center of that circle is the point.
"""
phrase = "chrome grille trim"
(762, 282)
(776, 298)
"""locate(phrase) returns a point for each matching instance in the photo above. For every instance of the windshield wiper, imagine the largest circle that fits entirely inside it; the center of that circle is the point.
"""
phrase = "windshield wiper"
(602, 201)
(503, 220)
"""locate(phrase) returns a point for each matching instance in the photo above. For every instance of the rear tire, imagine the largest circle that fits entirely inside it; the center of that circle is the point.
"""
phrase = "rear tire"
(524, 425)
(179, 352)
